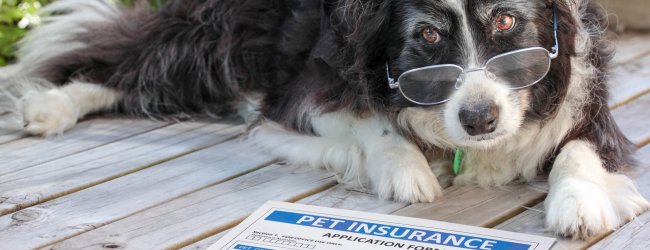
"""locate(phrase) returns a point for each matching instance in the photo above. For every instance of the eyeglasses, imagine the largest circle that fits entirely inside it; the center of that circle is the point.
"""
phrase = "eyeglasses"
(432, 85)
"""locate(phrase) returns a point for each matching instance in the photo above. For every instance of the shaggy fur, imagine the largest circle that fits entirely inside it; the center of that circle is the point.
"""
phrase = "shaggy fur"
(310, 75)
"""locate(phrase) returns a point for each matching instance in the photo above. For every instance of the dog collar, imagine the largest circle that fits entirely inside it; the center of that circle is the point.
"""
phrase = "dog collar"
(458, 160)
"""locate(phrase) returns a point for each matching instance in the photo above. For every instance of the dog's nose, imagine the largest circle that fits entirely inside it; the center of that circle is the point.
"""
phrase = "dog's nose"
(479, 119)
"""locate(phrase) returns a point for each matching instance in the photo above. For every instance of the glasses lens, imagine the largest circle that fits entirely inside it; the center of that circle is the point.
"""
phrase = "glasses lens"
(431, 85)
(520, 68)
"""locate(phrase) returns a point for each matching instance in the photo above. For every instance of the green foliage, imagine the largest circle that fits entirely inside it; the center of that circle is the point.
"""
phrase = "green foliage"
(16, 17)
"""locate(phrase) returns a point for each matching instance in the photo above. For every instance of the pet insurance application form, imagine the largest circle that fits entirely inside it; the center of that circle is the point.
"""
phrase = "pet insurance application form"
(279, 225)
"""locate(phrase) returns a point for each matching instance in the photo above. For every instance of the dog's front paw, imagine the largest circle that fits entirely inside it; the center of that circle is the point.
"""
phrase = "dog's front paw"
(48, 113)
(580, 209)
(409, 181)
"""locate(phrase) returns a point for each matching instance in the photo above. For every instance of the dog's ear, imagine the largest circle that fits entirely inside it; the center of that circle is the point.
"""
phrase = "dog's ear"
(363, 24)
(584, 51)
(546, 95)
(352, 42)
(590, 21)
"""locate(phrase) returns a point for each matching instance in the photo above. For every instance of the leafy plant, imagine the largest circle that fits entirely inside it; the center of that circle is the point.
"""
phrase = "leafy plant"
(16, 17)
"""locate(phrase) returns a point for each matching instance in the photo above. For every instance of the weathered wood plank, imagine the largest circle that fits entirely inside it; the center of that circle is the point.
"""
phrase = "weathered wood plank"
(65, 175)
(214, 209)
(108, 202)
(465, 205)
(630, 47)
(633, 119)
(636, 233)
(205, 243)
(338, 196)
(532, 222)
(476, 206)
(30, 151)
(8, 135)
(346, 198)
(629, 80)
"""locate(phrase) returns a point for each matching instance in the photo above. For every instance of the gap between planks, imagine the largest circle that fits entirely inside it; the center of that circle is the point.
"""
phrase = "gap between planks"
(630, 99)
(199, 214)
(630, 73)
(338, 196)
(7, 135)
(630, 47)
(103, 204)
(296, 198)
(79, 172)
(634, 87)
(86, 136)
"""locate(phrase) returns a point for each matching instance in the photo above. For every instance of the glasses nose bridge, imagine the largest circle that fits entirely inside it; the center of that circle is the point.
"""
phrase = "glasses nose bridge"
(463, 75)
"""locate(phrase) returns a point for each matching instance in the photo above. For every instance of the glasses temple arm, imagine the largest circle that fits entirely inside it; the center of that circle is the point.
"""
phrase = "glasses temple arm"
(556, 47)
(391, 81)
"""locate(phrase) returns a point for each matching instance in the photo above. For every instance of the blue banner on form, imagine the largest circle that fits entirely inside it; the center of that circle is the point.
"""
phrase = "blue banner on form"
(396, 232)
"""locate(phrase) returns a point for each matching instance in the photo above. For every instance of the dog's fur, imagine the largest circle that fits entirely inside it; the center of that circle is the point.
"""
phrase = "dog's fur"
(310, 75)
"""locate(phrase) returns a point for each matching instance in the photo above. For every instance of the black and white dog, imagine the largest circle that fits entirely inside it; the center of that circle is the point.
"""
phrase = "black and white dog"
(379, 92)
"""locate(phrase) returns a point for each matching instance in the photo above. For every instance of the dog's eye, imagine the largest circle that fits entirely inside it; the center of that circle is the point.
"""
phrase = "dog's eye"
(505, 22)
(431, 35)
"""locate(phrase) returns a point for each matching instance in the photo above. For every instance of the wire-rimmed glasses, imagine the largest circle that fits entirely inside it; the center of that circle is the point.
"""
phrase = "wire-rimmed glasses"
(433, 85)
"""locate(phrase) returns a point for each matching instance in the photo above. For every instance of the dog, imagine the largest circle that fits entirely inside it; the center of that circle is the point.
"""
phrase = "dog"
(379, 92)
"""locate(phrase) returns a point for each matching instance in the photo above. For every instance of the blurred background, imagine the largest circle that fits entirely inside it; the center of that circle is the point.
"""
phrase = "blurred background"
(628, 15)
(17, 16)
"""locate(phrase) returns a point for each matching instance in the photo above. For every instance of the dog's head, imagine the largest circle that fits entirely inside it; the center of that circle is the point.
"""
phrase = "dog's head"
(481, 110)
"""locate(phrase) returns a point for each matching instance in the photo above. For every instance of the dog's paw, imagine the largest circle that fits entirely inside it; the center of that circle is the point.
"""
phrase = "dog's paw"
(48, 113)
(443, 172)
(580, 209)
(409, 181)
(625, 197)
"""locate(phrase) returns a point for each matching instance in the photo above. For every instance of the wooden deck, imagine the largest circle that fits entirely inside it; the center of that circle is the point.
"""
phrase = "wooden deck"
(139, 184)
